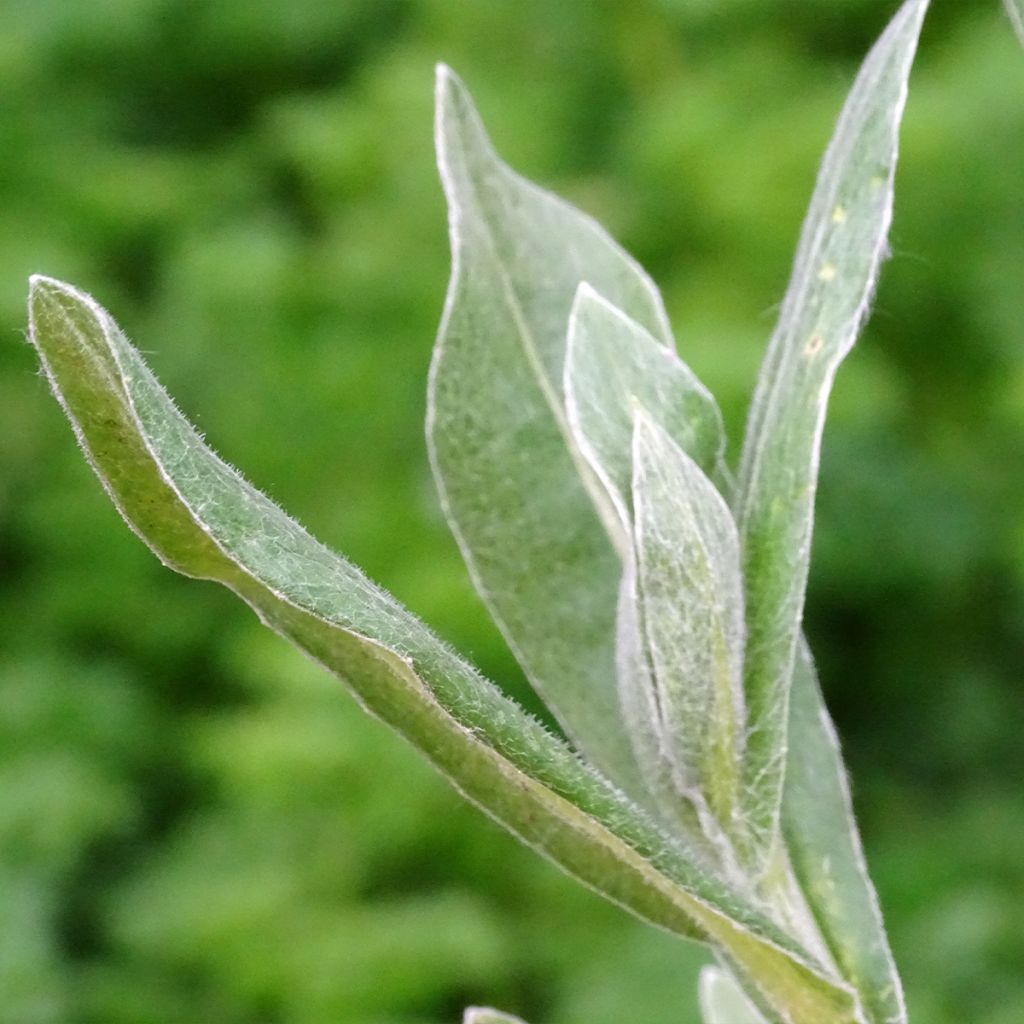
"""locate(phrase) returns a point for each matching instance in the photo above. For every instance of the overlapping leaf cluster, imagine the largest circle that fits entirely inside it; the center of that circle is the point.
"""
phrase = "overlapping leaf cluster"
(653, 601)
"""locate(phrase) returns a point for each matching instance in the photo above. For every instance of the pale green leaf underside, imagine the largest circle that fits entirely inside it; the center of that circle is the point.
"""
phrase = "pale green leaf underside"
(612, 366)
(1015, 9)
(841, 248)
(485, 1015)
(690, 596)
(499, 442)
(722, 1001)
(204, 520)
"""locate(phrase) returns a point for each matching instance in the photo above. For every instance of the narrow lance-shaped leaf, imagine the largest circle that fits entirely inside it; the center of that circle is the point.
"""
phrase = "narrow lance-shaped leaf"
(722, 1001)
(1015, 9)
(837, 262)
(690, 603)
(825, 851)
(202, 519)
(499, 445)
(613, 365)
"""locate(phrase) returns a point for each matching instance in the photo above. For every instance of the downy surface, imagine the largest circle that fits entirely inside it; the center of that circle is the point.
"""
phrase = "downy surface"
(841, 249)
(838, 258)
(202, 519)
(614, 516)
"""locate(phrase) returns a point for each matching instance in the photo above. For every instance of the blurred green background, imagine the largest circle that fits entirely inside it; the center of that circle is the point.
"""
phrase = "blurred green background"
(195, 824)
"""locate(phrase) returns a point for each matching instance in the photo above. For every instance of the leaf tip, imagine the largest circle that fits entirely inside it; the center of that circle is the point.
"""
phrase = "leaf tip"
(585, 303)
(41, 281)
(592, 305)
(644, 425)
(47, 297)
(44, 289)
(450, 91)
(644, 440)
(53, 303)
(588, 301)
(444, 77)
(457, 129)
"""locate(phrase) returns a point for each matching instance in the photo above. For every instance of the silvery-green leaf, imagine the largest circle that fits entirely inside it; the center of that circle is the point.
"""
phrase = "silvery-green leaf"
(202, 519)
(1015, 9)
(613, 365)
(499, 442)
(684, 812)
(825, 851)
(837, 262)
(690, 596)
(722, 1001)
(485, 1015)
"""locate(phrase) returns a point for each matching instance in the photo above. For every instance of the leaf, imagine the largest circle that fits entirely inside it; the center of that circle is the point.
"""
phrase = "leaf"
(500, 448)
(1015, 9)
(681, 812)
(202, 519)
(825, 851)
(690, 611)
(841, 249)
(722, 1001)
(485, 1015)
(614, 365)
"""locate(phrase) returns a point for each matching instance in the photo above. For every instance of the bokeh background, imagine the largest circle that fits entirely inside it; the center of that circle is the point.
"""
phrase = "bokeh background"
(197, 825)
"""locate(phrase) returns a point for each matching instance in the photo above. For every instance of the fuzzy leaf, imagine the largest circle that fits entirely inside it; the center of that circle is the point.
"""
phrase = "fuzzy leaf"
(509, 479)
(825, 851)
(1015, 9)
(837, 262)
(722, 1001)
(202, 519)
(614, 365)
(690, 605)
(684, 812)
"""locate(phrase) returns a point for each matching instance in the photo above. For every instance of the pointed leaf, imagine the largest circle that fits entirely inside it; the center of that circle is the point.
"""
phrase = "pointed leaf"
(690, 596)
(612, 366)
(722, 1001)
(825, 850)
(202, 519)
(837, 262)
(499, 441)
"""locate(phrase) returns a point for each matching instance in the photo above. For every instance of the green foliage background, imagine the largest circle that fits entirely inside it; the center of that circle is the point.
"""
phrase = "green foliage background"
(195, 824)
